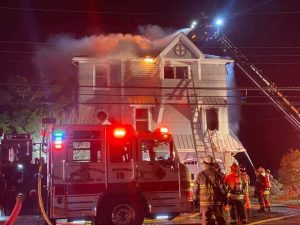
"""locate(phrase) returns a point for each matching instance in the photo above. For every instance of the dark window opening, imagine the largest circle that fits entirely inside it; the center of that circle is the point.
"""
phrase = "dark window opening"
(181, 72)
(212, 119)
(175, 72)
(169, 72)
(141, 120)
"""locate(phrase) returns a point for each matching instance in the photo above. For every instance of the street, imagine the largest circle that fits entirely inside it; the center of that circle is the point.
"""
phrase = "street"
(279, 216)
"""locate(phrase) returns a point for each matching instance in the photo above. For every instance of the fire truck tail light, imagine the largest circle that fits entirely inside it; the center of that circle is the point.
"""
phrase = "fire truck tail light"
(164, 130)
(58, 146)
(119, 132)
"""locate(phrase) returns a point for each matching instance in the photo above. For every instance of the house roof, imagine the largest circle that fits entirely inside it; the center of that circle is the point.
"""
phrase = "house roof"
(184, 39)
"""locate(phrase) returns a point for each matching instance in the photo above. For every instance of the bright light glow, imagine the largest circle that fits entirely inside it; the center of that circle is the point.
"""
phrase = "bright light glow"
(193, 25)
(20, 166)
(58, 138)
(219, 22)
(162, 217)
(58, 146)
(164, 130)
(79, 221)
(148, 60)
(119, 132)
(58, 142)
(58, 134)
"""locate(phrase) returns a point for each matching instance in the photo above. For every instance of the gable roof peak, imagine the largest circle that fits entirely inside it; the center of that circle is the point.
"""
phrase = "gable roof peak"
(182, 37)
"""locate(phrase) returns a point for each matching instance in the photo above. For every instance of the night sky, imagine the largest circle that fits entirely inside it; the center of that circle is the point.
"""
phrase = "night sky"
(267, 32)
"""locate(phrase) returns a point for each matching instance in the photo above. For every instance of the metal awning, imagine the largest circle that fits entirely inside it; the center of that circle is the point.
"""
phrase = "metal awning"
(212, 101)
(141, 100)
(230, 143)
(184, 141)
(226, 142)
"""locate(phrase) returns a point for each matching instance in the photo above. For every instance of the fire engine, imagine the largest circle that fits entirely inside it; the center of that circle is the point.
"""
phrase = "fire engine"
(115, 175)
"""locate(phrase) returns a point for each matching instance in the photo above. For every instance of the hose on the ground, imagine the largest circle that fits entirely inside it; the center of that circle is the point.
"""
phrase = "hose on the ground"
(15, 213)
(40, 198)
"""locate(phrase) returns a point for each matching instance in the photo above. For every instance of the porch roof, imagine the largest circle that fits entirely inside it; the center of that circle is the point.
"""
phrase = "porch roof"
(212, 101)
(226, 142)
(142, 100)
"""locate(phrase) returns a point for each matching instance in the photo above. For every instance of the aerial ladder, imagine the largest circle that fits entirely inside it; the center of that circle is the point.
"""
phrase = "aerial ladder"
(204, 141)
(273, 93)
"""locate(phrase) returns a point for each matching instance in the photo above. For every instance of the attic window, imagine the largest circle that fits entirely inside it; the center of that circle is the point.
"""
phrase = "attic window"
(175, 72)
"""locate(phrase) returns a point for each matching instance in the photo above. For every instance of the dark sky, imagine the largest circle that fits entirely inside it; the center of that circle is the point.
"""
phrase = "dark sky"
(268, 32)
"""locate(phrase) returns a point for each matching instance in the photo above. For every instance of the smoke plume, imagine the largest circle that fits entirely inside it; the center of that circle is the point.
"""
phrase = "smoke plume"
(56, 56)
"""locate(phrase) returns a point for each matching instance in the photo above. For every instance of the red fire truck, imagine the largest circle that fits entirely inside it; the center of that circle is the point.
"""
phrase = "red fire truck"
(115, 175)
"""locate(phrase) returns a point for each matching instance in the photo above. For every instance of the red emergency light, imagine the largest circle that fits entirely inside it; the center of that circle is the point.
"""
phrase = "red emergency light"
(119, 132)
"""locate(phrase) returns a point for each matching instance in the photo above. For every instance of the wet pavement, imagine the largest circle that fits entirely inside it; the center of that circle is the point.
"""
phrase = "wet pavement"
(280, 215)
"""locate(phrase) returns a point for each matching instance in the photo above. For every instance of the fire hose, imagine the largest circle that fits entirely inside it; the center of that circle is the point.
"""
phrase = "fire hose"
(40, 198)
(12, 218)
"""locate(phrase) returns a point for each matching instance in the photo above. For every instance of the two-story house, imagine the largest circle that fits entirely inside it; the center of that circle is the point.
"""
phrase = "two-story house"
(179, 87)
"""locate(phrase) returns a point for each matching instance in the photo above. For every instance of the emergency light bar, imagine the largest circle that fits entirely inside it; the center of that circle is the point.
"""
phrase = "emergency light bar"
(58, 138)
(119, 132)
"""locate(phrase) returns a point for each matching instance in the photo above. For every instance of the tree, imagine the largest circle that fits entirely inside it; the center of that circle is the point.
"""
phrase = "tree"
(24, 103)
(290, 170)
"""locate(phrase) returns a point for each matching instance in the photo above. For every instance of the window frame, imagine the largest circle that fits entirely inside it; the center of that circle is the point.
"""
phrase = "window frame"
(149, 116)
(174, 66)
(107, 76)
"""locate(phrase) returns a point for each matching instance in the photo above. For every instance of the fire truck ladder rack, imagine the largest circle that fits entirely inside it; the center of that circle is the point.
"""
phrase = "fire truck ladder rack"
(205, 142)
(291, 113)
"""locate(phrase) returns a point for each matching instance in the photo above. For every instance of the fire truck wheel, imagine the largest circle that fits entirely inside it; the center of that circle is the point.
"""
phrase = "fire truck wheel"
(121, 211)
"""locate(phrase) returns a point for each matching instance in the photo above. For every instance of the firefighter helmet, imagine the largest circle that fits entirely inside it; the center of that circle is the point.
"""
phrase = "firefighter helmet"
(209, 160)
(234, 166)
(261, 170)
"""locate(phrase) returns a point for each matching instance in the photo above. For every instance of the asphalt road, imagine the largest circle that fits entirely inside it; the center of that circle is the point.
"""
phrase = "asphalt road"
(279, 216)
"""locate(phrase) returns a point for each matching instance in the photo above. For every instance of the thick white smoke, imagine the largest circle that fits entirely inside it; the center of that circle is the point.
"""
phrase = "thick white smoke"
(56, 56)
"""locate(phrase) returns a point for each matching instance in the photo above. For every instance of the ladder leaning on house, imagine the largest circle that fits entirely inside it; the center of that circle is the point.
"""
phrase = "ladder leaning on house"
(205, 141)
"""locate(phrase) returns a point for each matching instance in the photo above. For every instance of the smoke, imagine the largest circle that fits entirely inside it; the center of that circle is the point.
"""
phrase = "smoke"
(56, 57)
(233, 109)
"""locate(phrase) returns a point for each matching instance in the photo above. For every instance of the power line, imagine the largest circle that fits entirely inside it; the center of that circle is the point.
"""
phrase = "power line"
(295, 88)
(55, 52)
(179, 95)
(140, 12)
(167, 103)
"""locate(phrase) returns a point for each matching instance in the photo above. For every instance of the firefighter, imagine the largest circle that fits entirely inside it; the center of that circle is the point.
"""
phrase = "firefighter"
(208, 189)
(262, 190)
(236, 189)
(246, 180)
